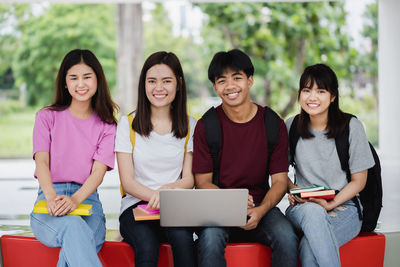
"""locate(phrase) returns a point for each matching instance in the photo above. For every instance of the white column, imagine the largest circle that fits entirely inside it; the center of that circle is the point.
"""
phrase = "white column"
(129, 54)
(389, 111)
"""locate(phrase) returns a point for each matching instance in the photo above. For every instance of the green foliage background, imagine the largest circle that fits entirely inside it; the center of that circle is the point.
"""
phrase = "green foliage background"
(281, 39)
(45, 39)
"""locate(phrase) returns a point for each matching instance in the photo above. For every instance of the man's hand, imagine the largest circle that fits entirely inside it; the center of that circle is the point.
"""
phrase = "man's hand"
(255, 215)
(250, 202)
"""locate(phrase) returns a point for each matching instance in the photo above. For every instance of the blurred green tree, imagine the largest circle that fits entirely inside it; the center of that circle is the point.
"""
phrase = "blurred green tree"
(281, 39)
(49, 33)
(159, 35)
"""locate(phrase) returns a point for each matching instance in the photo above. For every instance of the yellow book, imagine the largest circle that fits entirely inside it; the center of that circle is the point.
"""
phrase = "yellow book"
(82, 209)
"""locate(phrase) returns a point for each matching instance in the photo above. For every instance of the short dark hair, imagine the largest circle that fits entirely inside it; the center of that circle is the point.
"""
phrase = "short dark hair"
(101, 102)
(325, 78)
(234, 59)
(142, 121)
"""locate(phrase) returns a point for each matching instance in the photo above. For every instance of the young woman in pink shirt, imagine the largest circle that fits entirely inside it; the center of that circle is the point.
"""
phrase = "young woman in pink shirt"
(73, 143)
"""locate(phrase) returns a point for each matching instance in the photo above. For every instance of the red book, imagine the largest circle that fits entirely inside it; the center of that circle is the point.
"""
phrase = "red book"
(326, 194)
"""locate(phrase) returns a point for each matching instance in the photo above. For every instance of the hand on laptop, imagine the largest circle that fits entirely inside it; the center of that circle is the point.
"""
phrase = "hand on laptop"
(250, 202)
(154, 201)
(255, 215)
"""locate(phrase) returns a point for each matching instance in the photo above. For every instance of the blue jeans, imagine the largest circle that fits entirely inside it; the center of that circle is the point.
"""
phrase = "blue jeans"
(80, 237)
(145, 237)
(273, 230)
(324, 232)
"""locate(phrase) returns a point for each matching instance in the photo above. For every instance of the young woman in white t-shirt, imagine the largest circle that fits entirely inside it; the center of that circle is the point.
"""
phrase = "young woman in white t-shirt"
(159, 159)
(325, 224)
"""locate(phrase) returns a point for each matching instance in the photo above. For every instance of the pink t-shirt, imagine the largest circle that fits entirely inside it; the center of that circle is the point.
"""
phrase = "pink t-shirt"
(73, 144)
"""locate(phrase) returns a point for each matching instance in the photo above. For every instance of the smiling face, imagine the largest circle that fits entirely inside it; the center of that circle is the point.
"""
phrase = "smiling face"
(160, 86)
(81, 82)
(233, 87)
(316, 101)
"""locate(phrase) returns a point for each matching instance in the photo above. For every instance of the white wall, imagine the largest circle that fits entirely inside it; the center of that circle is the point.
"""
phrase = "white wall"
(389, 111)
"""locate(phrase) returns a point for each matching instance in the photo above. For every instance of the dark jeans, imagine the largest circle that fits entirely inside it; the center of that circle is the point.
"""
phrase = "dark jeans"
(273, 230)
(145, 237)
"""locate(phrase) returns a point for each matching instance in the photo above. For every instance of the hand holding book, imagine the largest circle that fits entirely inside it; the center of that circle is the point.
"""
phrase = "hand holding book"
(326, 204)
(82, 209)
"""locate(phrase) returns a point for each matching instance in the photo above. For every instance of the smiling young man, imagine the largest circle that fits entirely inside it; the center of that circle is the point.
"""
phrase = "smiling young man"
(243, 161)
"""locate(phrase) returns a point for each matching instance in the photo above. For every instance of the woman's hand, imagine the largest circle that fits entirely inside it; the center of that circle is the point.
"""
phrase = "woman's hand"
(293, 200)
(65, 205)
(51, 205)
(154, 202)
(327, 205)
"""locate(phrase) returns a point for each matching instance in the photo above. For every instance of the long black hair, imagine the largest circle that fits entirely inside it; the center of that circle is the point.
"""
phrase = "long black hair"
(142, 121)
(325, 78)
(101, 101)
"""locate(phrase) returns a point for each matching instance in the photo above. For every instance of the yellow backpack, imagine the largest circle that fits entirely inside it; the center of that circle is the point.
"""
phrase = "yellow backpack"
(132, 137)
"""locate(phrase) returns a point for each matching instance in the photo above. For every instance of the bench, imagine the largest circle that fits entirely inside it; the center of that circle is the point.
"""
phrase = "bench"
(368, 249)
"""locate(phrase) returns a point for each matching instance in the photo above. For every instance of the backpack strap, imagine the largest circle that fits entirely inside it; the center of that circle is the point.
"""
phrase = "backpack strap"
(272, 125)
(342, 147)
(132, 136)
(293, 139)
(187, 135)
(214, 139)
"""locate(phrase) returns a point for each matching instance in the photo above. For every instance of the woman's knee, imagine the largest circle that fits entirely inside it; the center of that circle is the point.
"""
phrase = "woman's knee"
(307, 213)
(43, 232)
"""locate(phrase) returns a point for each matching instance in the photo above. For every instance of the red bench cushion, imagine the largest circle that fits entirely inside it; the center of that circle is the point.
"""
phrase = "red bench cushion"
(368, 249)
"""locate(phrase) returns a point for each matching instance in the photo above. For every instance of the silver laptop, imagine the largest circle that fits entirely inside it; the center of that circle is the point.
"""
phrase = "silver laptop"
(203, 207)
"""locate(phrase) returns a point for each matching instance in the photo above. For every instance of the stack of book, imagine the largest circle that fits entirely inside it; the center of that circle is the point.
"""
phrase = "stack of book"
(142, 213)
(315, 192)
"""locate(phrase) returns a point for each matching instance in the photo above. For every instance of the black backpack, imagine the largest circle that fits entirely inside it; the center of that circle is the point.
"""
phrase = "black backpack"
(371, 195)
(212, 129)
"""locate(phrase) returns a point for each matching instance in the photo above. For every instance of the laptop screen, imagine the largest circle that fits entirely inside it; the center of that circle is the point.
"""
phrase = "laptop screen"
(203, 207)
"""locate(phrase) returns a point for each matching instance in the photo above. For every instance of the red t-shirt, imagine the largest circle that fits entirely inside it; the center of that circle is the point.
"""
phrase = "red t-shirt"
(243, 156)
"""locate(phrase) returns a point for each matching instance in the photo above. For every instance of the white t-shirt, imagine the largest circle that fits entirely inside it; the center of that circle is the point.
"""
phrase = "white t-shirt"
(157, 159)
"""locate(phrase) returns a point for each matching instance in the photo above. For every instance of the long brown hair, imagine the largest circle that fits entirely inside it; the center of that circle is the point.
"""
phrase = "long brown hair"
(101, 101)
(142, 121)
(325, 78)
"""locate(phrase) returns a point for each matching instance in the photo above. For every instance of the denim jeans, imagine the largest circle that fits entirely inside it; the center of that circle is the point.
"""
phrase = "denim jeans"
(273, 230)
(324, 232)
(80, 237)
(145, 237)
